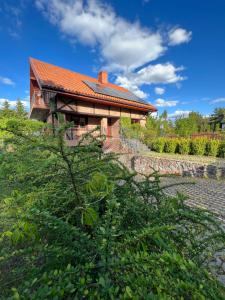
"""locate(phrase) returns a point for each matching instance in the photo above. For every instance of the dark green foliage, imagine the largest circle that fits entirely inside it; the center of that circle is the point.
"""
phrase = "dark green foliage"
(183, 146)
(217, 119)
(221, 150)
(198, 146)
(212, 147)
(170, 145)
(76, 224)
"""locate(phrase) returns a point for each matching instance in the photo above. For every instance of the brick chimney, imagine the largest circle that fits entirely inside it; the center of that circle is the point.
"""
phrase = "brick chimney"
(103, 77)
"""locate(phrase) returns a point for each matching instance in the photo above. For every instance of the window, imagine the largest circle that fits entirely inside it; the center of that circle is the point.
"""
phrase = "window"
(83, 122)
(77, 121)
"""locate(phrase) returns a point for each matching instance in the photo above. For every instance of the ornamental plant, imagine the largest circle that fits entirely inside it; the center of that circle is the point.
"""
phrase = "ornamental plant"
(170, 145)
(221, 150)
(76, 224)
(212, 147)
(198, 146)
(183, 146)
(158, 144)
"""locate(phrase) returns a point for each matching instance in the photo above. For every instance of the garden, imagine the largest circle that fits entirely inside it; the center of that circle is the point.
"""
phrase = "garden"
(76, 224)
(187, 135)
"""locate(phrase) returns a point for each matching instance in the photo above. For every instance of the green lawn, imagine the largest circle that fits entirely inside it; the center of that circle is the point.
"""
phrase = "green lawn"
(191, 158)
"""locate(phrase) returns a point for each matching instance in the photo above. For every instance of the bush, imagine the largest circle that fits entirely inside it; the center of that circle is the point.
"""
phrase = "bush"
(158, 145)
(212, 147)
(76, 224)
(183, 146)
(170, 145)
(221, 150)
(198, 146)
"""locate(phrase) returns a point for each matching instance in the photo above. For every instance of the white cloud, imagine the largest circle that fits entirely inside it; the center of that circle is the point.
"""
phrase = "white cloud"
(179, 113)
(218, 100)
(152, 74)
(163, 103)
(131, 86)
(13, 102)
(179, 36)
(6, 81)
(123, 45)
(154, 114)
(159, 91)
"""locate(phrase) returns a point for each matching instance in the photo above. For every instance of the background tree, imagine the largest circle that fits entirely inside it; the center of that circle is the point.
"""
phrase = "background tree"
(217, 119)
(20, 109)
(5, 110)
(193, 123)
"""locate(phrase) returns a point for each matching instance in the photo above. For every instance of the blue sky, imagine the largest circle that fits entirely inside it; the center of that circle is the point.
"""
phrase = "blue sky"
(172, 53)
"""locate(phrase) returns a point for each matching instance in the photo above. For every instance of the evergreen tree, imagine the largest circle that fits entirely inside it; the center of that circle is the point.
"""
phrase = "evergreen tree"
(76, 224)
(164, 115)
(217, 119)
(20, 109)
(5, 110)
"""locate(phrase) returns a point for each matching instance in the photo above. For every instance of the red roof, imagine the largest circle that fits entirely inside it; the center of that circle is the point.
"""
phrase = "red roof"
(63, 80)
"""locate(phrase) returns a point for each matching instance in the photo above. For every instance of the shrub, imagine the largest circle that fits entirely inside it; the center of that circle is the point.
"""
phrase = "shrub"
(76, 224)
(212, 147)
(221, 150)
(183, 146)
(197, 146)
(170, 145)
(158, 145)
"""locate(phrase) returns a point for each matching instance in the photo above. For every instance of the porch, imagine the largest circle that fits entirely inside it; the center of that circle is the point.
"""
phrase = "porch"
(109, 127)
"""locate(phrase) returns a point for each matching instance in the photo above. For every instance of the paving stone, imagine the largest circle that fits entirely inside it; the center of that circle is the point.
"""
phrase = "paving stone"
(206, 193)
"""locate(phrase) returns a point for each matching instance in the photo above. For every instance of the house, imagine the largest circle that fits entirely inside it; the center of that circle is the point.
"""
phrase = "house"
(83, 100)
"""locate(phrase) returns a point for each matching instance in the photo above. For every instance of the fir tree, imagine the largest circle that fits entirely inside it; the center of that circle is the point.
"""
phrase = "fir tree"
(76, 224)
(20, 109)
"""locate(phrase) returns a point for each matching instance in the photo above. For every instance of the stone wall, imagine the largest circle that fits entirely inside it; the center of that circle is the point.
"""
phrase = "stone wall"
(146, 165)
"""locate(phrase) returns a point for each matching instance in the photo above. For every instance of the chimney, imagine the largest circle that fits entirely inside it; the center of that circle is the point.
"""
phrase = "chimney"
(103, 77)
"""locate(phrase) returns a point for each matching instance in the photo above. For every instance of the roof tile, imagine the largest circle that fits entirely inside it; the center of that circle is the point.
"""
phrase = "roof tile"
(65, 80)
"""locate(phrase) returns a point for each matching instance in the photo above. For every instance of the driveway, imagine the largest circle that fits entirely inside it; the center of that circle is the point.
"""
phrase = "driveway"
(205, 193)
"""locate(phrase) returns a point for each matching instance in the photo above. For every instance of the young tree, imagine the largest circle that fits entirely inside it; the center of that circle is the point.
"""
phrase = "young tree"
(193, 123)
(20, 109)
(5, 110)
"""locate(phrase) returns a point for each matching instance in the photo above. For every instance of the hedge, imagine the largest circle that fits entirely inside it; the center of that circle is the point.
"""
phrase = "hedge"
(170, 145)
(183, 146)
(158, 145)
(221, 150)
(197, 146)
(212, 147)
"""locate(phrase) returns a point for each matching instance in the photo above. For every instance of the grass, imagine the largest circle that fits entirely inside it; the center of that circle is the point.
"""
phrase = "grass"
(189, 158)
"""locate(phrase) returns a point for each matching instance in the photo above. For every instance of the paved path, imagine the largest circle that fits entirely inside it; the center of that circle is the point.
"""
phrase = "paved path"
(205, 193)
(208, 194)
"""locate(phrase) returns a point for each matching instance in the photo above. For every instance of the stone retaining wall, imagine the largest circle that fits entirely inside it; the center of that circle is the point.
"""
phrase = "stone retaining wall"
(146, 165)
